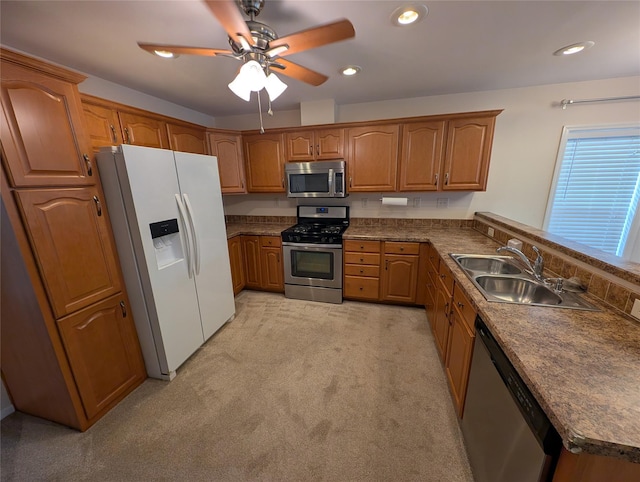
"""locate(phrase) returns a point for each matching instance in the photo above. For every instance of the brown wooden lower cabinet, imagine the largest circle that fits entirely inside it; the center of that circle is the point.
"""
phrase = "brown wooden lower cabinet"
(585, 467)
(263, 262)
(103, 351)
(236, 259)
(399, 272)
(361, 270)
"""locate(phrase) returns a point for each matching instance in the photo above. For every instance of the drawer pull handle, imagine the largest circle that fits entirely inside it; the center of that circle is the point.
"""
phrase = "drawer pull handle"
(361, 288)
(113, 134)
(98, 205)
(88, 162)
(361, 271)
(401, 249)
(460, 305)
(126, 135)
(124, 309)
(386, 265)
(361, 260)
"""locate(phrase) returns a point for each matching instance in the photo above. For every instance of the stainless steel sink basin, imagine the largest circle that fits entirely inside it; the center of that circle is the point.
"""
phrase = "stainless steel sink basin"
(488, 264)
(517, 290)
(501, 279)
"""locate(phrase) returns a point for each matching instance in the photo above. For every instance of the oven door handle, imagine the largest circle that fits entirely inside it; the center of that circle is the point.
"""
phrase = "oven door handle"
(312, 245)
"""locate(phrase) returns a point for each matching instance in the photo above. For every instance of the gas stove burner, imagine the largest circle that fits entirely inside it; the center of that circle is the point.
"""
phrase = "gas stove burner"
(318, 225)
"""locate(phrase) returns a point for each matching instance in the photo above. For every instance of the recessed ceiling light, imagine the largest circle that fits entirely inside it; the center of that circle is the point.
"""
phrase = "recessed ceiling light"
(574, 48)
(350, 70)
(408, 14)
(165, 54)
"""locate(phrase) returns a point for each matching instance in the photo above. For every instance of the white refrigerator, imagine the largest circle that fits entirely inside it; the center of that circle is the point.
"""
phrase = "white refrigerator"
(168, 223)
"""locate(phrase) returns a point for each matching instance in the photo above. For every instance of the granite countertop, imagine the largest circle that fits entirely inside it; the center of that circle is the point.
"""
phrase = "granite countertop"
(583, 367)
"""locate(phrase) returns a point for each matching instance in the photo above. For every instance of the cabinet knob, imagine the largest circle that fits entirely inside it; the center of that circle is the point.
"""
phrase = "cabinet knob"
(361, 288)
(401, 248)
(361, 271)
(361, 260)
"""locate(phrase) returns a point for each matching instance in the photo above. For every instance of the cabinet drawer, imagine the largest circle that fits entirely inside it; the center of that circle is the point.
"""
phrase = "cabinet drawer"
(462, 303)
(270, 241)
(444, 273)
(362, 246)
(433, 257)
(358, 287)
(362, 258)
(401, 248)
(361, 270)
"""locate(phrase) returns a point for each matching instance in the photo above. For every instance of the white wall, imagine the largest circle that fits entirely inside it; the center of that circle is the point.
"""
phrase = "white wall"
(526, 141)
(117, 93)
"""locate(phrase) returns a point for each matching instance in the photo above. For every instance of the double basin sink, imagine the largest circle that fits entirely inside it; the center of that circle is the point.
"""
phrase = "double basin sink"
(500, 279)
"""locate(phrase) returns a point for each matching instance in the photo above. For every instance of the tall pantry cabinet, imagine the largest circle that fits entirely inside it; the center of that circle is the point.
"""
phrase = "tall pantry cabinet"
(69, 346)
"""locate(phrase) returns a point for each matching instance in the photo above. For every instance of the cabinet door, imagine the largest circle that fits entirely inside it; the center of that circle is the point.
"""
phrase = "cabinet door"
(252, 265)
(468, 151)
(228, 149)
(372, 158)
(187, 139)
(300, 146)
(458, 360)
(103, 125)
(422, 155)
(237, 264)
(103, 351)
(143, 131)
(399, 278)
(264, 160)
(440, 323)
(329, 144)
(42, 130)
(272, 274)
(70, 236)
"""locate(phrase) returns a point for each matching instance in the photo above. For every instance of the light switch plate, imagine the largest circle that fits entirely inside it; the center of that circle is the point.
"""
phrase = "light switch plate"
(635, 310)
(490, 232)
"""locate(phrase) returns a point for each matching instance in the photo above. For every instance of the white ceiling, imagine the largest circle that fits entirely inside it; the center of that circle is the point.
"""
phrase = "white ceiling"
(461, 46)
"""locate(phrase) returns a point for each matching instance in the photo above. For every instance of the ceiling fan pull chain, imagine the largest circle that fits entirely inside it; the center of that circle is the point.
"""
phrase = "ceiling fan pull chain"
(270, 112)
(260, 112)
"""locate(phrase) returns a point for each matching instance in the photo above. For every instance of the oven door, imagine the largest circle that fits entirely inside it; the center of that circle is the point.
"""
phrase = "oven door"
(313, 264)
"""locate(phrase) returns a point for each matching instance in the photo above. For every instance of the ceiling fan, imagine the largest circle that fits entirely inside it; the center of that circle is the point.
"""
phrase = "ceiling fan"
(255, 41)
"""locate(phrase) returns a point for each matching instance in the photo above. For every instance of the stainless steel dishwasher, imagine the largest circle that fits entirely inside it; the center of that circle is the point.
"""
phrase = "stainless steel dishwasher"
(508, 436)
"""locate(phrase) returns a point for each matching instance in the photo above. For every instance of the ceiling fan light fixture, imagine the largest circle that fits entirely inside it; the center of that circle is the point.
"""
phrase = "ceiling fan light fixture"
(165, 54)
(274, 86)
(350, 70)
(408, 15)
(251, 78)
(574, 48)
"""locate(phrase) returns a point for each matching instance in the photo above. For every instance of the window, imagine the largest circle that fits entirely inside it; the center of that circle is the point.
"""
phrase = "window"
(596, 187)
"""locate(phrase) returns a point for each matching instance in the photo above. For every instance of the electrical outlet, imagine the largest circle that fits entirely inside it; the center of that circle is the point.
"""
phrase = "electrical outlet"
(442, 202)
(635, 310)
(365, 201)
(416, 202)
(490, 232)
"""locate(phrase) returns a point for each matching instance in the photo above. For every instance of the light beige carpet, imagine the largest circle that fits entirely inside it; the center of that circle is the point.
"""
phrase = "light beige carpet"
(288, 391)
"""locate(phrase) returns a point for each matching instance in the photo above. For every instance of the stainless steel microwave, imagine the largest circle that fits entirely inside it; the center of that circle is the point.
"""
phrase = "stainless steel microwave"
(316, 179)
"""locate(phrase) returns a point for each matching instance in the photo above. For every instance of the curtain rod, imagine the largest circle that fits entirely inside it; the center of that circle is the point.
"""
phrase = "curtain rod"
(565, 102)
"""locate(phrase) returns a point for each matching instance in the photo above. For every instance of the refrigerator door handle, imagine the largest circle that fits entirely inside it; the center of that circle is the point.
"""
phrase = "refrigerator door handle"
(187, 232)
(194, 235)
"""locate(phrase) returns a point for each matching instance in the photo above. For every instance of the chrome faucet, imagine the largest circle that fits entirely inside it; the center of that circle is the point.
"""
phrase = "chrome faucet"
(538, 265)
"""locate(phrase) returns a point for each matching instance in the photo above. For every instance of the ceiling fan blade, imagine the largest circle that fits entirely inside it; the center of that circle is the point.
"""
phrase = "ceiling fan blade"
(301, 73)
(229, 16)
(315, 37)
(177, 49)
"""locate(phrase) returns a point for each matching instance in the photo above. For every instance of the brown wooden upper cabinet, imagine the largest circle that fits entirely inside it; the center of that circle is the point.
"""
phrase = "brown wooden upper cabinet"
(145, 131)
(422, 155)
(71, 238)
(372, 157)
(42, 129)
(466, 162)
(447, 155)
(103, 125)
(264, 161)
(315, 145)
(227, 147)
(109, 125)
(185, 138)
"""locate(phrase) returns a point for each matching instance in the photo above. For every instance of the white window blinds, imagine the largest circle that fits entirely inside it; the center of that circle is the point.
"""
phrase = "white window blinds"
(596, 189)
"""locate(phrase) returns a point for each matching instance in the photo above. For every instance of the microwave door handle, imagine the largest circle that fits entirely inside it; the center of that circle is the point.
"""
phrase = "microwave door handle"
(331, 183)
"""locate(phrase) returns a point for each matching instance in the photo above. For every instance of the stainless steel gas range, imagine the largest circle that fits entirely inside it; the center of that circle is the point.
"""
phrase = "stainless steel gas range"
(312, 251)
